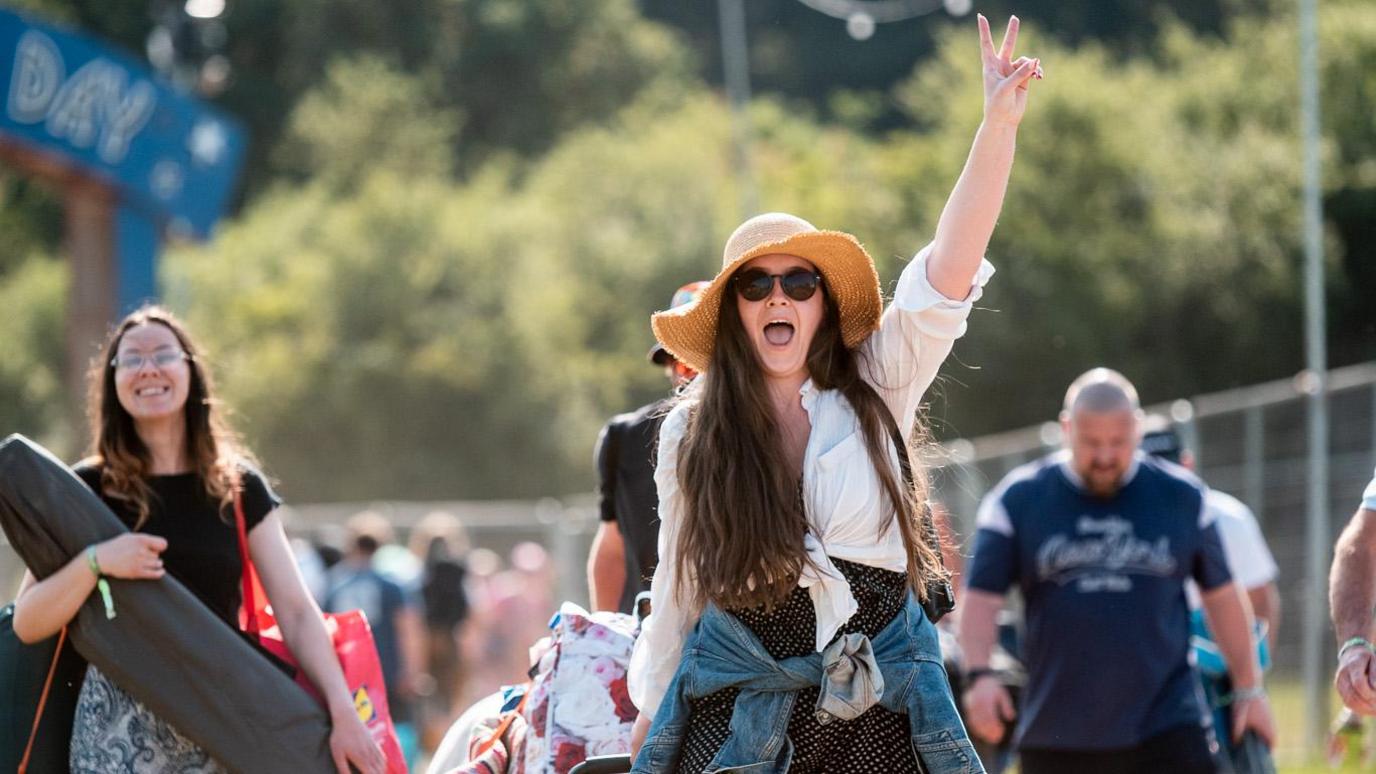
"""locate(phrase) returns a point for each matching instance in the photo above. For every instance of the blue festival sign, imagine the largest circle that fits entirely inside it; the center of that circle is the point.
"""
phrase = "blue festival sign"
(81, 104)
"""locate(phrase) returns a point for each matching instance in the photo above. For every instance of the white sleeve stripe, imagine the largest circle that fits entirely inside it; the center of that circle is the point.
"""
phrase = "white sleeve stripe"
(994, 517)
(1206, 514)
(992, 514)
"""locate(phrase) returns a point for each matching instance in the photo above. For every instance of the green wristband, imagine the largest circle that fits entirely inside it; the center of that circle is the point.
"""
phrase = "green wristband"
(102, 585)
(1356, 642)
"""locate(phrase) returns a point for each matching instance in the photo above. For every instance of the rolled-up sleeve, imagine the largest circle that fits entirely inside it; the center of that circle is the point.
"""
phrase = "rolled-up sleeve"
(1369, 496)
(659, 648)
(915, 335)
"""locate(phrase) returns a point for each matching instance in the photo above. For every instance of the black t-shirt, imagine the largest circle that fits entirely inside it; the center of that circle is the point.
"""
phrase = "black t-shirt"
(202, 541)
(626, 453)
(446, 603)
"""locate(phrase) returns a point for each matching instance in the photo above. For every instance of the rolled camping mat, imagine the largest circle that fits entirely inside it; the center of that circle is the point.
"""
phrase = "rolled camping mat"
(164, 646)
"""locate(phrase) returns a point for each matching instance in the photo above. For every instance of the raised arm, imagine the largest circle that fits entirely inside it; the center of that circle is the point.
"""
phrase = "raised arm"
(967, 222)
(937, 289)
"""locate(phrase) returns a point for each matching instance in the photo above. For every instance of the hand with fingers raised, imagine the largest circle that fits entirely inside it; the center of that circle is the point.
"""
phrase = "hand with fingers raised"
(1005, 79)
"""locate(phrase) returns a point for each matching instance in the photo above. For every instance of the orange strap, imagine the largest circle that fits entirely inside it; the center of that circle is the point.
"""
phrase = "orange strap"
(502, 727)
(42, 701)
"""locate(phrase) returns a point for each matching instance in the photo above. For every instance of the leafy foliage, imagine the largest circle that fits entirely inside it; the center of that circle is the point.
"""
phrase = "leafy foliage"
(441, 297)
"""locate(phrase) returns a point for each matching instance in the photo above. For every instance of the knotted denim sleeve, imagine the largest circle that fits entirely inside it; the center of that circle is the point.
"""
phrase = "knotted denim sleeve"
(899, 669)
(851, 680)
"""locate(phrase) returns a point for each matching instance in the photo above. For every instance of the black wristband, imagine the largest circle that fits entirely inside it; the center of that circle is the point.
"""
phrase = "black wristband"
(978, 672)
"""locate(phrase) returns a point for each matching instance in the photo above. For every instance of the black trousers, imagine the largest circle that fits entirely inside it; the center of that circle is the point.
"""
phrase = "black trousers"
(1180, 750)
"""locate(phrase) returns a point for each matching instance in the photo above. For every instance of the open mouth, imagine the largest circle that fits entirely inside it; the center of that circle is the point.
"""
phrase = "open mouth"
(151, 392)
(778, 333)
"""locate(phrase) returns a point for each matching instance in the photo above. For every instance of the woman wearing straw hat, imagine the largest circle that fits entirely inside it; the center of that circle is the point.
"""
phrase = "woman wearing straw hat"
(787, 631)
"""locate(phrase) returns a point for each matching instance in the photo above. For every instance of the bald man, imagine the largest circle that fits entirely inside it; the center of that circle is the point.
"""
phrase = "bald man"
(1100, 540)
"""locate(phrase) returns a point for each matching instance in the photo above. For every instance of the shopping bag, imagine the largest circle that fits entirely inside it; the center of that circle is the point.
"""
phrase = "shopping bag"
(353, 644)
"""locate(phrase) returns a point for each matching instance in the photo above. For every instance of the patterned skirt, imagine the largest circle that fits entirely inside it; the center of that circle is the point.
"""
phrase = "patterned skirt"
(878, 740)
(115, 734)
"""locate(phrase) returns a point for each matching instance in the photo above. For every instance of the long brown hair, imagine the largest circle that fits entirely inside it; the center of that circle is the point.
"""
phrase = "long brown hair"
(212, 446)
(741, 543)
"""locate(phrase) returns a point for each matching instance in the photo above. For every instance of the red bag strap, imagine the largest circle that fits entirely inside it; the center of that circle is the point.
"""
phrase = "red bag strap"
(42, 701)
(250, 601)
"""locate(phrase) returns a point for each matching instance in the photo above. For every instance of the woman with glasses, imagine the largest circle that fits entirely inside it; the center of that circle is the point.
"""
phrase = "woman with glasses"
(787, 631)
(169, 466)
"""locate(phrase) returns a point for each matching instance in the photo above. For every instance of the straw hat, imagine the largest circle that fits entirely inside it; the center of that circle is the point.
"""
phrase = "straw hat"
(689, 332)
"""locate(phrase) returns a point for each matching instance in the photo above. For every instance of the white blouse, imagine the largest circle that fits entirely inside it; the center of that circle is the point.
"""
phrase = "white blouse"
(848, 517)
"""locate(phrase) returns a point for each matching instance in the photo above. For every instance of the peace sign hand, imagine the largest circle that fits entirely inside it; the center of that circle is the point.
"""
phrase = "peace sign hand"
(1005, 79)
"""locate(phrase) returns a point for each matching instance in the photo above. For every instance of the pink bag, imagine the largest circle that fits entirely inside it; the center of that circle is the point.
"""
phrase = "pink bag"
(353, 644)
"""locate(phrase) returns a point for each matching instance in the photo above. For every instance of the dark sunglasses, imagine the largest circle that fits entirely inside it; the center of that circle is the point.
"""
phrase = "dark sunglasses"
(757, 284)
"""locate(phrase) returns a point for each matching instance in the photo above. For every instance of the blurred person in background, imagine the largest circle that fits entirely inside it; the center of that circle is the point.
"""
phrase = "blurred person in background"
(167, 463)
(478, 647)
(510, 613)
(1250, 560)
(355, 584)
(441, 543)
(1253, 568)
(1100, 539)
(625, 549)
(1352, 598)
(314, 572)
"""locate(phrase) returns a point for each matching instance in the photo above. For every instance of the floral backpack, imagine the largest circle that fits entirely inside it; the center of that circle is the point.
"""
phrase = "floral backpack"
(578, 706)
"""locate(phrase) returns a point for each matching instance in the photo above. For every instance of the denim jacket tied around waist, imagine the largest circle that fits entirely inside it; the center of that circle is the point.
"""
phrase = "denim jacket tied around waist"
(900, 669)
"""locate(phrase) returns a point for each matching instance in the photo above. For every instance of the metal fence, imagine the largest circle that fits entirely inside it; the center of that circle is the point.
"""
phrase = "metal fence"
(1250, 442)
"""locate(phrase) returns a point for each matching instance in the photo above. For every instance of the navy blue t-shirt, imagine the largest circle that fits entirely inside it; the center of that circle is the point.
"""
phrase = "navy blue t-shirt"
(1103, 581)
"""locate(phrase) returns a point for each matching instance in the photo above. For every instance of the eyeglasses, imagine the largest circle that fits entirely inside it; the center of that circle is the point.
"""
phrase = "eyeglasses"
(757, 284)
(163, 358)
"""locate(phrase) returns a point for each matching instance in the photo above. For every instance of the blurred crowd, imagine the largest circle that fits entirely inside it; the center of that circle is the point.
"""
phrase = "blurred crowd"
(452, 623)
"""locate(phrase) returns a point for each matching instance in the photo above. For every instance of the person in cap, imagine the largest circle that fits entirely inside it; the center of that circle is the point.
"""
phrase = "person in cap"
(786, 631)
(1100, 539)
(624, 550)
(1352, 598)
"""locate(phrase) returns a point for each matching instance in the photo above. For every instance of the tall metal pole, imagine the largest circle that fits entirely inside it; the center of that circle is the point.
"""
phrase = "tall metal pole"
(1315, 627)
(735, 60)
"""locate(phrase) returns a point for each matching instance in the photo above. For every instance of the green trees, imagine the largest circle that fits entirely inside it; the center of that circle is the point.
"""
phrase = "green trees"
(434, 295)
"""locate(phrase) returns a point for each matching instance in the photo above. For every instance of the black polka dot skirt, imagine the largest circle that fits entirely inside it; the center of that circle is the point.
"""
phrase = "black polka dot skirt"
(878, 740)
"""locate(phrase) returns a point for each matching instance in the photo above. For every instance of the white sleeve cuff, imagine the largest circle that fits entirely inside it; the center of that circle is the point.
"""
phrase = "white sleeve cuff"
(915, 292)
